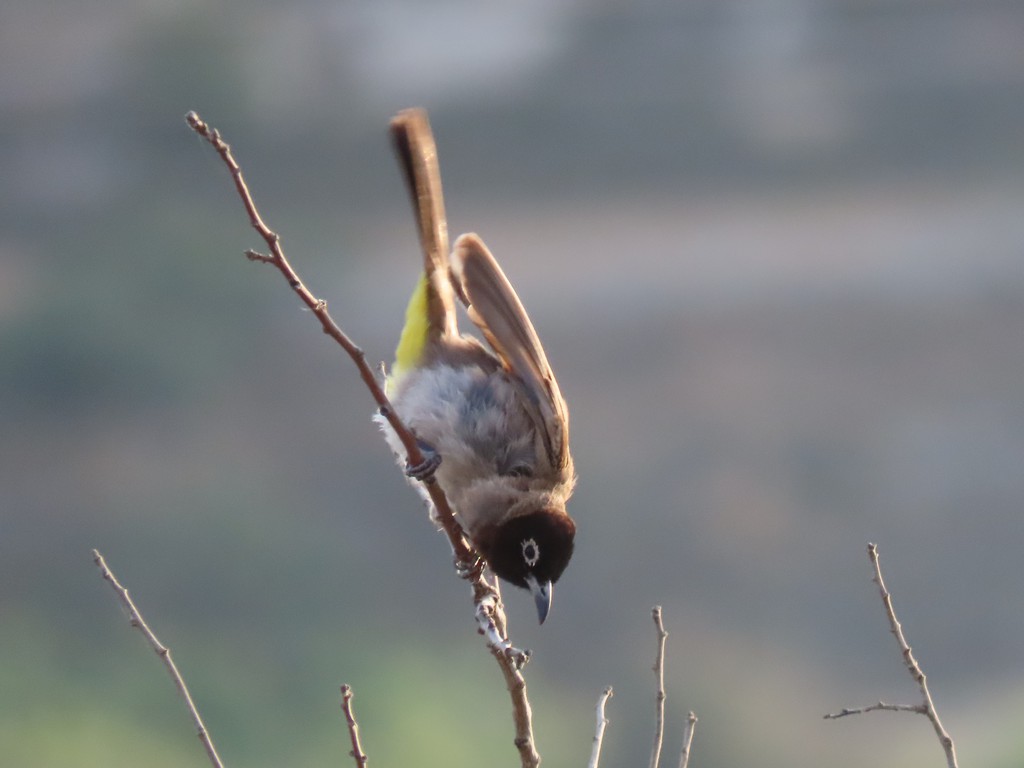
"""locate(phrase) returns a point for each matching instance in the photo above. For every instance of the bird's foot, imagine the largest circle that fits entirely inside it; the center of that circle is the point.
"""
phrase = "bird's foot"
(470, 569)
(425, 470)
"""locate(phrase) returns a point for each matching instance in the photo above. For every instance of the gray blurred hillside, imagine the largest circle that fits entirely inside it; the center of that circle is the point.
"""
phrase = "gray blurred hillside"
(774, 251)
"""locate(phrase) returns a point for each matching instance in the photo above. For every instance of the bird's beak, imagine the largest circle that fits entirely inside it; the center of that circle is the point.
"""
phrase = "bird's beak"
(541, 596)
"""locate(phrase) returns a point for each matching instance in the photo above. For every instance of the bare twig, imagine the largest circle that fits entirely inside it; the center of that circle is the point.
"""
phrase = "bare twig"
(463, 551)
(911, 663)
(881, 706)
(659, 696)
(490, 612)
(522, 713)
(691, 724)
(490, 616)
(136, 620)
(927, 706)
(602, 724)
(353, 727)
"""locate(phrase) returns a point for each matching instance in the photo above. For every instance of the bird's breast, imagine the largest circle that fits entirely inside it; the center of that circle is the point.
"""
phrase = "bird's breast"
(473, 417)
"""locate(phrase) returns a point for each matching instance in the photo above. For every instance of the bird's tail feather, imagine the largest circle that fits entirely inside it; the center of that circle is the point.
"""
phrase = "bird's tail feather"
(431, 311)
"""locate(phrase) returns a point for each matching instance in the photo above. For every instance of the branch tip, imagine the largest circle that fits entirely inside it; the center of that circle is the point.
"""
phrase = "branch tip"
(927, 706)
(353, 727)
(136, 621)
(659, 695)
(691, 725)
(602, 724)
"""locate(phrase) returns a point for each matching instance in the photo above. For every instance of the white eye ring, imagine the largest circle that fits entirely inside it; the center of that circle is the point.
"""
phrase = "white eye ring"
(531, 552)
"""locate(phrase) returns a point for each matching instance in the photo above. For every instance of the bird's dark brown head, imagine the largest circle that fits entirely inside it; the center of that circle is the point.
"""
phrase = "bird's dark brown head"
(538, 544)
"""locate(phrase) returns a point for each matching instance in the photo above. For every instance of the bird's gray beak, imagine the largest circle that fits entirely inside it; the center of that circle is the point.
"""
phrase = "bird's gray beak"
(541, 596)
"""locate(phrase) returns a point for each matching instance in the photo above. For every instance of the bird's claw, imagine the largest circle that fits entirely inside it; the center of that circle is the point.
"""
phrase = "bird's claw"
(468, 570)
(425, 470)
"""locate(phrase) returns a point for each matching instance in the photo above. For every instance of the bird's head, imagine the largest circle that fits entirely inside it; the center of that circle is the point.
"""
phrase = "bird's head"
(531, 551)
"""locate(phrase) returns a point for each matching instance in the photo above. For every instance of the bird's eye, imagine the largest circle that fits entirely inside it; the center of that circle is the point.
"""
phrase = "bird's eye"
(521, 470)
(531, 552)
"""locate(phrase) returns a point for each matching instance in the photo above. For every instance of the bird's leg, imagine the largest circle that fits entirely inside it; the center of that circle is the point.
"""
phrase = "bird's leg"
(424, 471)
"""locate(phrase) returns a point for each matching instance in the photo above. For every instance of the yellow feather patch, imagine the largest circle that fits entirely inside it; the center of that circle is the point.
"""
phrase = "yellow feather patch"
(414, 334)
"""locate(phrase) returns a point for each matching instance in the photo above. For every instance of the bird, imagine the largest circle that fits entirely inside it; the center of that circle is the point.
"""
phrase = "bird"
(491, 419)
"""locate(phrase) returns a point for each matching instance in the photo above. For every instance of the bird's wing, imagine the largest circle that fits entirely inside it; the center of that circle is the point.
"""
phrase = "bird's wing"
(494, 307)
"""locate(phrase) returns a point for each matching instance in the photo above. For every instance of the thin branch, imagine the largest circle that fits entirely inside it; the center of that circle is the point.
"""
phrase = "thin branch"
(659, 696)
(602, 724)
(463, 551)
(881, 706)
(490, 613)
(927, 706)
(911, 663)
(490, 617)
(136, 620)
(691, 725)
(353, 727)
(522, 713)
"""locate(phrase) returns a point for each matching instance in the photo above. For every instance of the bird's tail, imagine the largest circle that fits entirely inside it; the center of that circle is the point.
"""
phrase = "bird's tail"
(431, 311)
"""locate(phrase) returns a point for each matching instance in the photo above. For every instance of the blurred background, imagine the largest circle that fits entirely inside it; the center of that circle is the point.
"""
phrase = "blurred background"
(774, 250)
